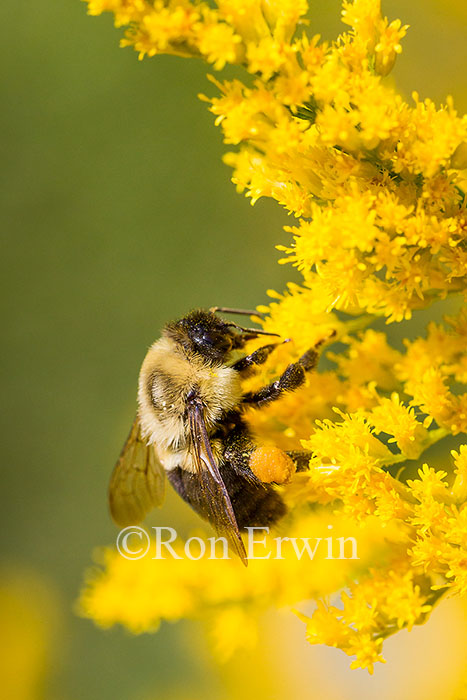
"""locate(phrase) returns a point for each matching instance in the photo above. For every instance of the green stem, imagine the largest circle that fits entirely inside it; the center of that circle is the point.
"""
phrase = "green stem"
(433, 437)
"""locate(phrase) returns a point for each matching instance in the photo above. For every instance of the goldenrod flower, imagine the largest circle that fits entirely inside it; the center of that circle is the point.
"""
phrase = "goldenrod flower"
(377, 188)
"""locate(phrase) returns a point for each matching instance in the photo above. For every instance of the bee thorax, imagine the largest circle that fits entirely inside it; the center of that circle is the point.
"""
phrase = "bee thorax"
(169, 382)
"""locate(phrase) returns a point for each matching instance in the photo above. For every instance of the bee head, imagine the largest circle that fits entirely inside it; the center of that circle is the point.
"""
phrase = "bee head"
(204, 333)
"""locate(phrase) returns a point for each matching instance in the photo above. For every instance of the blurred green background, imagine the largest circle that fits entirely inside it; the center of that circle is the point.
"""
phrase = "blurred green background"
(118, 215)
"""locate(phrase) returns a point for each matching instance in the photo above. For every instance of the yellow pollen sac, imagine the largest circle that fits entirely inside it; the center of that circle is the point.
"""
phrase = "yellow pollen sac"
(271, 464)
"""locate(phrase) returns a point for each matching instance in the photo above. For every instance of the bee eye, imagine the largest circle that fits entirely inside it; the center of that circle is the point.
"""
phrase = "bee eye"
(212, 339)
(200, 337)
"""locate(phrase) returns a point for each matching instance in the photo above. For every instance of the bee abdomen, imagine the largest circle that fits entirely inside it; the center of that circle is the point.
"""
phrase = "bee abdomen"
(254, 504)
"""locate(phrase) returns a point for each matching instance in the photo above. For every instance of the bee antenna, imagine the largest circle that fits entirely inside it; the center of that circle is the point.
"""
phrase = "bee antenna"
(258, 331)
(254, 331)
(228, 310)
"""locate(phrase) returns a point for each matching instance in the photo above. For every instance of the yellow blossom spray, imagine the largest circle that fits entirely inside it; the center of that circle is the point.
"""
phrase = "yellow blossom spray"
(377, 187)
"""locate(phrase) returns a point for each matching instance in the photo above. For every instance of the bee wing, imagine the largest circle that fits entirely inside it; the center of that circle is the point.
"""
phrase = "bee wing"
(213, 490)
(137, 483)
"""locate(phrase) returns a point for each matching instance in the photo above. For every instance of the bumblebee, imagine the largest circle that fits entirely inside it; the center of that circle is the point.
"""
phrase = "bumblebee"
(190, 426)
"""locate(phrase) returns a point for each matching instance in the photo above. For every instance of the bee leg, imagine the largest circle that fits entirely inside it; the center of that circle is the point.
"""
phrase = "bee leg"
(292, 378)
(300, 458)
(255, 504)
(258, 357)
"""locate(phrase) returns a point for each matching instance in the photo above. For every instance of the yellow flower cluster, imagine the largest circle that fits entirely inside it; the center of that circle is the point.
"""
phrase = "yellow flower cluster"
(374, 180)
(387, 601)
(378, 188)
(222, 593)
